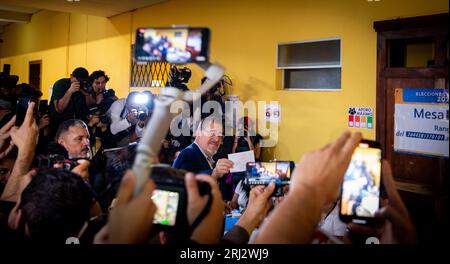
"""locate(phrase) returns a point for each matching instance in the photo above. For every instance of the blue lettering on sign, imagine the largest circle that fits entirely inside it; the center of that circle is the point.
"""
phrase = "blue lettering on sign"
(427, 136)
(425, 95)
(429, 114)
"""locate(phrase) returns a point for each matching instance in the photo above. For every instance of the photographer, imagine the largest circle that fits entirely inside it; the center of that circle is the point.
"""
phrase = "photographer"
(129, 116)
(98, 125)
(69, 97)
(131, 218)
(101, 96)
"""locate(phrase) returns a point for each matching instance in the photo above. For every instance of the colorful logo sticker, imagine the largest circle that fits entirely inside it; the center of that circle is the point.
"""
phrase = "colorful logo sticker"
(360, 117)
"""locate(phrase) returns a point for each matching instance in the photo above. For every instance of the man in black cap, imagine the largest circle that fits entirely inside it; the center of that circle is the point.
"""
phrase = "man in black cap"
(68, 99)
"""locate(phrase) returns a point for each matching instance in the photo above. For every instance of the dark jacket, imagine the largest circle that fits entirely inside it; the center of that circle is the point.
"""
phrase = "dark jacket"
(192, 159)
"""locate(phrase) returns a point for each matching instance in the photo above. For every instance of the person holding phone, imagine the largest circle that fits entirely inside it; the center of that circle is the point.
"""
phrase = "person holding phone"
(101, 96)
(315, 182)
(394, 223)
(24, 138)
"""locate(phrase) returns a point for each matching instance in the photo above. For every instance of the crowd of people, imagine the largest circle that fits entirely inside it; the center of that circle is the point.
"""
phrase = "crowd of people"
(65, 173)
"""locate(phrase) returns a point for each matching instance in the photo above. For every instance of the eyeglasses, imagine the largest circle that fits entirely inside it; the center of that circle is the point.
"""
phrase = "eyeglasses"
(212, 133)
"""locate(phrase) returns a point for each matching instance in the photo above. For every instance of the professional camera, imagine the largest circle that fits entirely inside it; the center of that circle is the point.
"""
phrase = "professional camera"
(47, 162)
(85, 85)
(56, 154)
(108, 93)
(178, 77)
(170, 198)
(142, 115)
(105, 119)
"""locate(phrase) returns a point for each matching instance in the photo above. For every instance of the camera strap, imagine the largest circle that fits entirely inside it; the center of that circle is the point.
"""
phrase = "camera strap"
(202, 214)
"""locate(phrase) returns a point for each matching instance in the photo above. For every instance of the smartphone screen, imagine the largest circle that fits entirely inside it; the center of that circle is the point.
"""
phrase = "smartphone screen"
(360, 197)
(21, 109)
(262, 173)
(173, 45)
(166, 207)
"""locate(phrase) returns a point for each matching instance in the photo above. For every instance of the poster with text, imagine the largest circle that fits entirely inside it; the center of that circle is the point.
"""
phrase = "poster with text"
(421, 121)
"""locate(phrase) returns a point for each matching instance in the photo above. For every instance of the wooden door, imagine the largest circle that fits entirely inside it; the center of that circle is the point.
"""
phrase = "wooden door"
(422, 180)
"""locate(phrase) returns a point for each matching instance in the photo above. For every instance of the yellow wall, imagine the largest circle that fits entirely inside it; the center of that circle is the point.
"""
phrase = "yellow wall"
(65, 41)
(244, 38)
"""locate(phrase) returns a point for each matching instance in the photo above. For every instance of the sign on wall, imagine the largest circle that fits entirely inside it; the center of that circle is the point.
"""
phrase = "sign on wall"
(360, 117)
(273, 112)
(421, 121)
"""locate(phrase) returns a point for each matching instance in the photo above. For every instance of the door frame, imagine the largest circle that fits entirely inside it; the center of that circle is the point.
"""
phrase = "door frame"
(40, 72)
(405, 28)
(433, 26)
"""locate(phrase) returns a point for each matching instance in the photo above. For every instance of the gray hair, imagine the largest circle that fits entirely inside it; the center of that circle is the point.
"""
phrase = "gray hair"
(66, 125)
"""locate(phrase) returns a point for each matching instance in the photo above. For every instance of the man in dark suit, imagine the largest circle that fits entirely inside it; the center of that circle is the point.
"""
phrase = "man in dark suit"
(197, 157)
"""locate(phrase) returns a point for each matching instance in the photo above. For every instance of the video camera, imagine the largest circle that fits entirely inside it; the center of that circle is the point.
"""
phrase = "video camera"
(170, 197)
(179, 76)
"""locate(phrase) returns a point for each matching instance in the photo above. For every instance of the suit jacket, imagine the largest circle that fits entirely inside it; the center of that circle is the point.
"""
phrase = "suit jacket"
(192, 159)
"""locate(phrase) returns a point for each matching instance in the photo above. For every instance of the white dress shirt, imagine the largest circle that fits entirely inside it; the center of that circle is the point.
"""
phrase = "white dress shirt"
(119, 120)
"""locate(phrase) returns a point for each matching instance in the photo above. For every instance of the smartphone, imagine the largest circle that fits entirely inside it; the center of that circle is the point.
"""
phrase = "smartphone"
(360, 192)
(21, 109)
(172, 45)
(167, 204)
(43, 107)
(262, 173)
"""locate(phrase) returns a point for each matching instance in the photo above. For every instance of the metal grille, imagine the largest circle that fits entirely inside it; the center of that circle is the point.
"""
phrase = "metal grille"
(149, 74)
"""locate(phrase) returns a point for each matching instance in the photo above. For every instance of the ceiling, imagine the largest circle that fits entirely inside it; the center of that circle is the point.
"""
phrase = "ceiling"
(20, 11)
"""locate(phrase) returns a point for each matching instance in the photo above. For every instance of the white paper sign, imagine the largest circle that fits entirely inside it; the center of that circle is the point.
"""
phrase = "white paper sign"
(240, 160)
(273, 112)
(421, 121)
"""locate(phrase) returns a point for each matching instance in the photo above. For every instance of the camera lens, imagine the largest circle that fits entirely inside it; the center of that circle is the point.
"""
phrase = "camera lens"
(142, 115)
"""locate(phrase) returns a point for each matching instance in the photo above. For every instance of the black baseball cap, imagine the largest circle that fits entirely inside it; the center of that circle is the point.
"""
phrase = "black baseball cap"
(81, 74)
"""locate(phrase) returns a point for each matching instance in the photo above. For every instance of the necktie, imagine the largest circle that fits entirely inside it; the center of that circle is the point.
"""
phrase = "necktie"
(211, 162)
